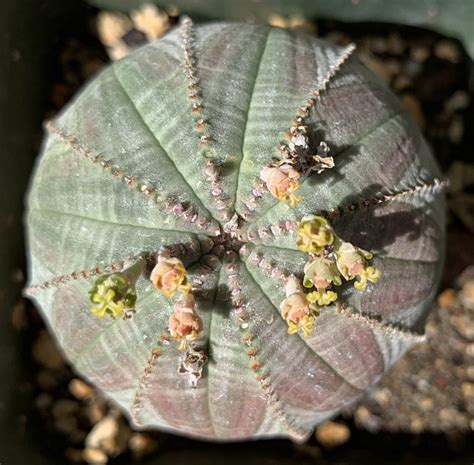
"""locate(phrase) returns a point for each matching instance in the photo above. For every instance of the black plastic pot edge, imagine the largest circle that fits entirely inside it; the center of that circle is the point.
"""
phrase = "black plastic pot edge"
(29, 38)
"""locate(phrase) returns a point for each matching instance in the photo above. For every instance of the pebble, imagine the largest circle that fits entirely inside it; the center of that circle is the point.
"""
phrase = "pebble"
(46, 353)
(19, 316)
(426, 404)
(447, 299)
(17, 276)
(95, 411)
(460, 176)
(47, 380)
(460, 100)
(377, 66)
(94, 456)
(79, 389)
(103, 434)
(122, 33)
(393, 65)
(65, 407)
(466, 296)
(456, 130)
(118, 51)
(292, 22)
(382, 396)
(110, 435)
(416, 425)
(365, 418)
(414, 106)
(468, 390)
(111, 27)
(470, 350)
(378, 45)
(402, 82)
(464, 326)
(150, 20)
(65, 412)
(43, 401)
(395, 45)
(419, 53)
(332, 434)
(142, 444)
(448, 50)
(411, 69)
(470, 373)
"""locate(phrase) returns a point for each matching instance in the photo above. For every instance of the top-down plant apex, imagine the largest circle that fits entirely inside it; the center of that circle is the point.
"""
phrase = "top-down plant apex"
(235, 231)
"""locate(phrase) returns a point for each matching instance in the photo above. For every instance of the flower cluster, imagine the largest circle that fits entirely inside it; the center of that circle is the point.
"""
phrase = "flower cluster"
(352, 262)
(282, 177)
(330, 260)
(296, 309)
(169, 276)
(282, 181)
(114, 294)
(314, 234)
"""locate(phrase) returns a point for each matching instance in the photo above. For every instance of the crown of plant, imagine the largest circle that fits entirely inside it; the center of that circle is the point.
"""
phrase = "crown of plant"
(235, 231)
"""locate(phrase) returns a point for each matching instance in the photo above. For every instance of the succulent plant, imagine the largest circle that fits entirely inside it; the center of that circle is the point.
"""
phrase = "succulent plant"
(259, 209)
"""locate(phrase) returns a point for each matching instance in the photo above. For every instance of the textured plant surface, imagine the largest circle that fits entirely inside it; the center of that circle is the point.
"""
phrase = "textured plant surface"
(157, 199)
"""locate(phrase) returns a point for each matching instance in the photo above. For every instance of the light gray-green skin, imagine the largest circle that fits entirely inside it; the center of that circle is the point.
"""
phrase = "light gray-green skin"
(252, 80)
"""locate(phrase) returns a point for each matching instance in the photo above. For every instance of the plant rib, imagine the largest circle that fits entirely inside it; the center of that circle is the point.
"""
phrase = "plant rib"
(202, 126)
(248, 338)
(187, 215)
(285, 227)
(258, 189)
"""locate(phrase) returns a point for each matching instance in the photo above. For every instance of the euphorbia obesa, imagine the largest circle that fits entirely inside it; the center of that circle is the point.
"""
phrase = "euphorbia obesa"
(235, 231)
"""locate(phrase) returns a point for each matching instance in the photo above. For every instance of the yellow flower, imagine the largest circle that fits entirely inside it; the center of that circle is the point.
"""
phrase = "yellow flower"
(352, 262)
(169, 275)
(369, 274)
(297, 310)
(184, 323)
(282, 182)
(321, 272)
(322, 298)
(313, 234)
(112, 295)
(306, 324)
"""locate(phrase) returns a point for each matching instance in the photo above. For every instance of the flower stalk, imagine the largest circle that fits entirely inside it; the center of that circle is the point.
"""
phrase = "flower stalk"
(185, 324)
(331, 259)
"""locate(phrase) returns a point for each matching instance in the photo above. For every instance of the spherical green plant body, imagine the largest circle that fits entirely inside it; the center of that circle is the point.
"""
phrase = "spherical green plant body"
(207, 149)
